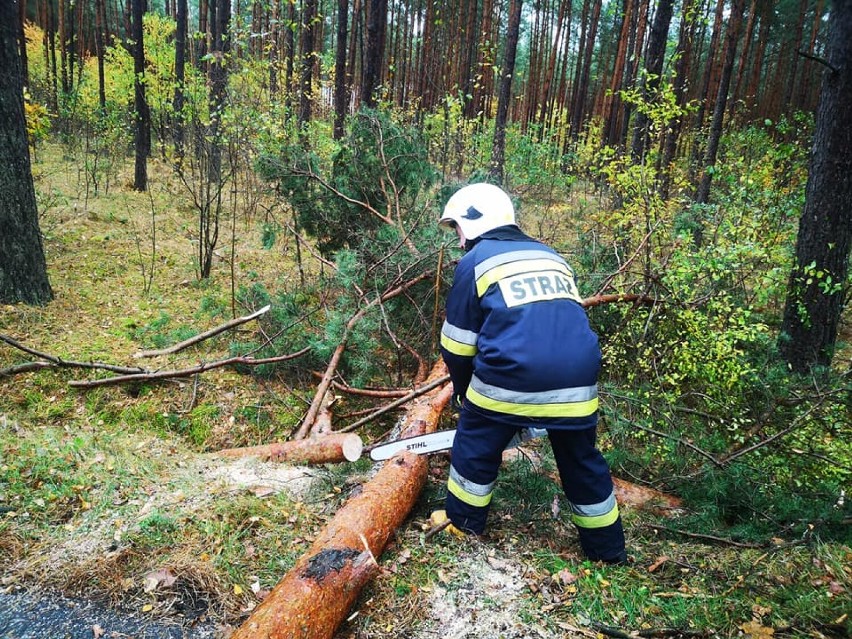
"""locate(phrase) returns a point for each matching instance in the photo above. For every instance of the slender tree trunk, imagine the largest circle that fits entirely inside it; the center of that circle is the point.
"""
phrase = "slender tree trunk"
(816, 291)
(704, 95)
(22, 40)
(734, 24)
(306, 75)
(376, 26)
(341, 94)
(653, 72)
(792, 74)
(757, 64)
(611, 99)
(744, 56)
(545, 97)
(584, 70)
(804, 99)
(683, 57)
(468, 66)
(23, 271)
(143, 114)
(203, 41)
(180, 75)
(507, 74)
(100, 19)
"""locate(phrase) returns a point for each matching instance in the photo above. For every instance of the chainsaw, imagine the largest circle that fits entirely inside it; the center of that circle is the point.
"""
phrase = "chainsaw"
(439, 441)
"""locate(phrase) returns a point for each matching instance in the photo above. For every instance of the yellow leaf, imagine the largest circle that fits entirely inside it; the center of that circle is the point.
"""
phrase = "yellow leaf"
(238, 589)
(147, 608)
(756, 630)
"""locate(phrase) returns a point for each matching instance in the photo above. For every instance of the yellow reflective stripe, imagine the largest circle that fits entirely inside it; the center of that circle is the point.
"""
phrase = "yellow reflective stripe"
(564, 409)
(458, 348)
(522, 266)
(597, 521)
(469, 498)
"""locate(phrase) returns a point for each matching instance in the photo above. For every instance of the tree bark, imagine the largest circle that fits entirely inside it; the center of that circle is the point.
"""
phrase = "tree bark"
(654, 69)
(341, 93)
(23, 271)
(584, 62)
(100, 42)
(22, 40)
(675, 125)
(143, 114)
(734, 23)
(498, 148)
(180, 74)
(327, 449)
(306, 73)
(376, 27)
(815, 293)
(314, 597)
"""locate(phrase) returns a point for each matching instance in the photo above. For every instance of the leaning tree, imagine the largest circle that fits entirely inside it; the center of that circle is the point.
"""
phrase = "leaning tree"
(23, 272)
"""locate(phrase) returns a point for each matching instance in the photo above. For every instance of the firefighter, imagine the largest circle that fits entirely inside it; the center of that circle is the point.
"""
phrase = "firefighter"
(521, 354)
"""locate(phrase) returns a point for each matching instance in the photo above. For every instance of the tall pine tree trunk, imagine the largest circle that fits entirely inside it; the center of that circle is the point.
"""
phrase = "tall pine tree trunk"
(498, 149)
(143, 114)
(734, 24)
(306, 73)
(180, 75)
(376, 25)
(341, 94)
(23, 272)
(653, 72)
(100, 21)
(816, 292)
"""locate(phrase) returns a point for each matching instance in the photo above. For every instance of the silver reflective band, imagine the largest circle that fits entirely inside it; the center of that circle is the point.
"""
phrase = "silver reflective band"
(459, 334)
(555, 396)
(516, 256)
(595, 510)
(480, 490)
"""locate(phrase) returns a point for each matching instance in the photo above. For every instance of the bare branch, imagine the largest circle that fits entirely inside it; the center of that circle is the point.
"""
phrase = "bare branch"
(203, 336)
(399, 402)
(58, 362)
(185, 372)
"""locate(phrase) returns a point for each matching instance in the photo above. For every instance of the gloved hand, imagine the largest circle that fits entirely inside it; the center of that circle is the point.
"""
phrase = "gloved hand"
(457, 402)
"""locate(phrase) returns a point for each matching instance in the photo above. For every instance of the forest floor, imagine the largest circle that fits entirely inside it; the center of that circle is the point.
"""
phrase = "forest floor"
(113, 496)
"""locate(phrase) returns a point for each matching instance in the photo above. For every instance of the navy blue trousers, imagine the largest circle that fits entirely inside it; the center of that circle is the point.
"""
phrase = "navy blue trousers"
(586, 480)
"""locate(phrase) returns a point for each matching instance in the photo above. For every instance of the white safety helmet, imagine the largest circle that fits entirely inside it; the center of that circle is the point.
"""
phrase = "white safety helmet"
(479, 208)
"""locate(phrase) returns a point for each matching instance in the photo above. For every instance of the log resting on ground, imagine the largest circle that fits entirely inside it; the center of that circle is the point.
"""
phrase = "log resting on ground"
(314, 597)
(325, 449)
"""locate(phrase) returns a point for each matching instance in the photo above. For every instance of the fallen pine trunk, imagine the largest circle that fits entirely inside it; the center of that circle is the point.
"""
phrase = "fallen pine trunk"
(326, 449)
(314, 597)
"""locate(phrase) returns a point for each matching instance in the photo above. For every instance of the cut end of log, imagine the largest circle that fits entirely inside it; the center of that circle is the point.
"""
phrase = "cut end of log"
(352, 447)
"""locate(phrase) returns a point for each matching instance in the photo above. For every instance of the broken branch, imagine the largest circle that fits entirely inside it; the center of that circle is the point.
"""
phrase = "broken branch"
(394, 404)
(322, 389)
(184, 372)
(203, 336)
(58, 362)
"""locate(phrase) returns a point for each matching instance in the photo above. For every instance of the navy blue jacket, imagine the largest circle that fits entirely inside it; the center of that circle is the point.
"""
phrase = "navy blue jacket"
(516, 339)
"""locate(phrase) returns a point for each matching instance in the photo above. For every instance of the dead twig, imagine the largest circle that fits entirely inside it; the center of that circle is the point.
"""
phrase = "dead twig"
(58, 362)
(367, 392)
(185, 372)
(203, 336)
(399, 402)
(635, 298)
(434, 530)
